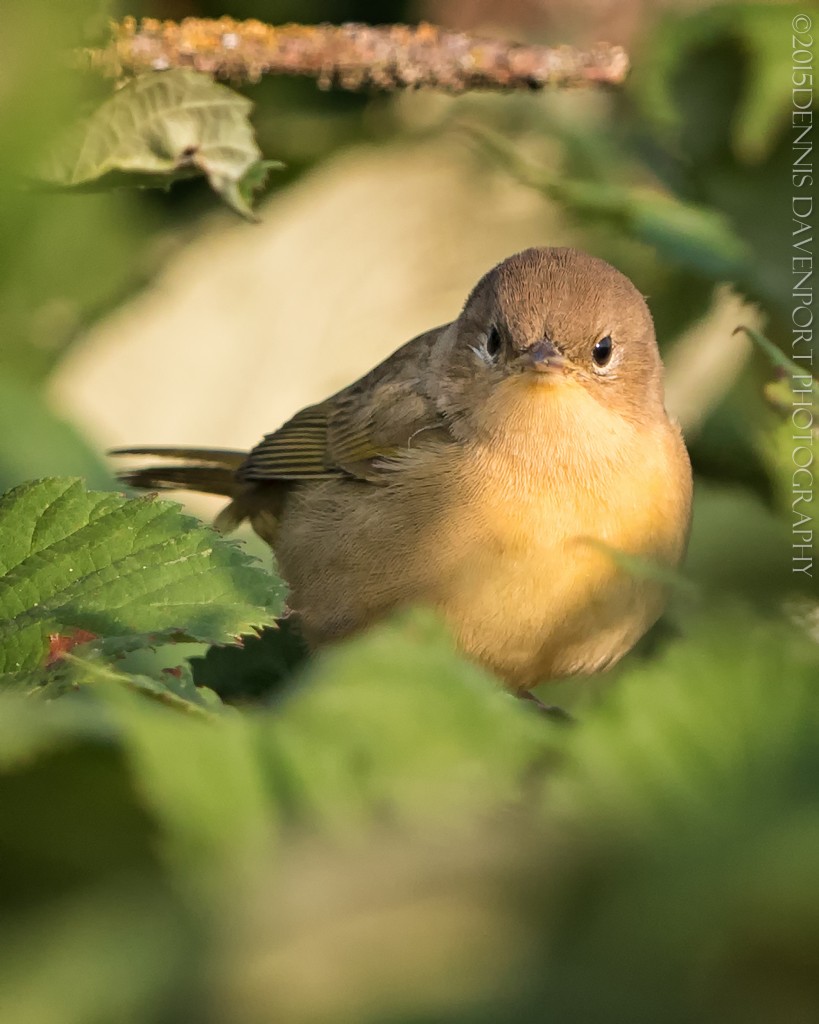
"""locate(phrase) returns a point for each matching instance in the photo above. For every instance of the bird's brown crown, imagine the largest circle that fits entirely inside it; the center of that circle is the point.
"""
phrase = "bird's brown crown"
(567, 315)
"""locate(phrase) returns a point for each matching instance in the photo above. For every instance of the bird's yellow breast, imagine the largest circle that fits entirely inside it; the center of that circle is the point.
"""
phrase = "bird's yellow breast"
(543, 499)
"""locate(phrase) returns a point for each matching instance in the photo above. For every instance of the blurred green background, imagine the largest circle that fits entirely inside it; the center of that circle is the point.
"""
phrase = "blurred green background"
(388, 837)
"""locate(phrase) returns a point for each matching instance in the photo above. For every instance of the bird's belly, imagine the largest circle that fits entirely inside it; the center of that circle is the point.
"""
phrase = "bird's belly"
(551, 610)
(541, 592)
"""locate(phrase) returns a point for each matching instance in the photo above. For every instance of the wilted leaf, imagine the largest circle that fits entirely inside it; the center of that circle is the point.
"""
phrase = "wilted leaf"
(161, 127)
(61, 644)
(75, 559)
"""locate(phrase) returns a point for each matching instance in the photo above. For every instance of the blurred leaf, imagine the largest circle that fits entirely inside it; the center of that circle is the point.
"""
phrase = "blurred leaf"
(723, 449)
(30, 728)
(712, 92)
(202, 779)
(61, 261)
(739, 546)
(71, 816)
(714, 726)
(163, 126)
(694, 796)
(441, 929)
(780, 360)
(73, 559)
(38, 89)
(688, 234)
(397, 725)
(110, 955)
(768, 98)
(34, 442)
(787, 437)
(719, 78)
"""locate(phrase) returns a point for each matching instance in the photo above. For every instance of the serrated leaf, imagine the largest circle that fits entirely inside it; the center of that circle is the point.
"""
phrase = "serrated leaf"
(174, 688)
(260, 669)
(161, 127)
(76, 559)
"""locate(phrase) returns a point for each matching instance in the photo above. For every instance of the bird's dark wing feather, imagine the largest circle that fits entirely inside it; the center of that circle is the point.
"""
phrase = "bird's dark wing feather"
(358, 430)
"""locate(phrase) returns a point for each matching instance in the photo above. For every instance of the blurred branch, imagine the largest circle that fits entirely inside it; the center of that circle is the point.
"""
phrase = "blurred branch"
(351, 56)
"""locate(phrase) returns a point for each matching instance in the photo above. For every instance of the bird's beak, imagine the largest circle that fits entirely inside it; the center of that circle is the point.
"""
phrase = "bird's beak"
(543, 358)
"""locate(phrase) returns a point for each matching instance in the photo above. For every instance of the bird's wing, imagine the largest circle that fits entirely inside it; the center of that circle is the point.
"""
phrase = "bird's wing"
(358, 431)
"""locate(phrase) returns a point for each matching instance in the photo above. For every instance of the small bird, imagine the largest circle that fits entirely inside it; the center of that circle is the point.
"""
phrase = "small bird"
(491, 468)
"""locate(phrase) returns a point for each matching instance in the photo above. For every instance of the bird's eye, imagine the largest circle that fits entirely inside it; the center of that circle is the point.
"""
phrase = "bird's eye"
(601, 353)
(493, 343)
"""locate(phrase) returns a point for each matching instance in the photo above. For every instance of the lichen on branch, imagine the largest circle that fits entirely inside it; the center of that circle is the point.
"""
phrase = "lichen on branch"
(352, 56)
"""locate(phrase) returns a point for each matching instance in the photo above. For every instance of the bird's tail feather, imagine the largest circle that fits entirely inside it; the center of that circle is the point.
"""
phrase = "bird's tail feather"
(210, 470)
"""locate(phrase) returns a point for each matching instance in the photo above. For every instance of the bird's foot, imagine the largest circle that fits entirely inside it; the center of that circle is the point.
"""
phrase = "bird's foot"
(552, 711)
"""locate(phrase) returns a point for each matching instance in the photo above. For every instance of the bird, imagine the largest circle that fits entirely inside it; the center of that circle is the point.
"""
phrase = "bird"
(496, 468)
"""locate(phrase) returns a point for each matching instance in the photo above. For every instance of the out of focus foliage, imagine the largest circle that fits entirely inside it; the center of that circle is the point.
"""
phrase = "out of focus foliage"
(380, 833)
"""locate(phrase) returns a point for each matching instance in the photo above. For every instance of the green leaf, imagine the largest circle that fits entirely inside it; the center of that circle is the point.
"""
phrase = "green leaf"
(261, 668)
(780, 360)
(689, 234)
(31, 729)
(129, 571)
(768, 97)
(717, 724)
(62, 262)
(397, 726)
(786, 440)
(34, 442)
(739, 58)
(161, 127)
(173, 687)
(695, 790)
(133, 936)
(739, 546)
(202, 778)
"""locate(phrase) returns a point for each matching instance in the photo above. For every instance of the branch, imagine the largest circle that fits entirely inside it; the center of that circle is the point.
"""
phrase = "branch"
(351, 56)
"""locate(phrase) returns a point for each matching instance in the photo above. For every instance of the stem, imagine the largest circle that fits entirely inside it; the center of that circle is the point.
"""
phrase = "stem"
(351, 56)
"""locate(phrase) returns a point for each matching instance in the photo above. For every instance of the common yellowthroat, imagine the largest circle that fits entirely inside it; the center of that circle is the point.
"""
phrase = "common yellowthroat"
(487, 468)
